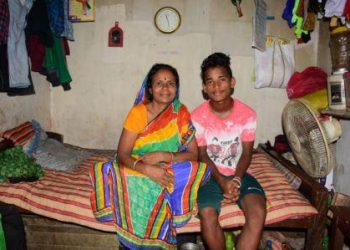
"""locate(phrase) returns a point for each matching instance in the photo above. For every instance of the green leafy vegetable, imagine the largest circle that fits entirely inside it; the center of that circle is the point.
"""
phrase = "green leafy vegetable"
(14, 163)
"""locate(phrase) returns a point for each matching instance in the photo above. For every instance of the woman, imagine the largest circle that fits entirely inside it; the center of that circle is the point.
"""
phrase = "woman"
(152, 188)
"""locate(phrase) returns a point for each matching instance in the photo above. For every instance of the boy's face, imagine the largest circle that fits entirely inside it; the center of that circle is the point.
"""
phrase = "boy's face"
(218, 84)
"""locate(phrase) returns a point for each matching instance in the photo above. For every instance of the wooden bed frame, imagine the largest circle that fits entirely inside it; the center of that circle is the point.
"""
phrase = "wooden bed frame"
(317, 195)
(314, 226)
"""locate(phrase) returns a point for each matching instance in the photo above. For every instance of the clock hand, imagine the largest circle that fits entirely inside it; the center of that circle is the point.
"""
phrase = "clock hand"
(167, 19)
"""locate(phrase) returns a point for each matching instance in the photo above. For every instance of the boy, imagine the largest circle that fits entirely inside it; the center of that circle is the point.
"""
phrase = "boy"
(225, 136)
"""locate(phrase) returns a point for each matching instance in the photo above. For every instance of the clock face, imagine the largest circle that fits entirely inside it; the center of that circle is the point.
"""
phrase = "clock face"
(167, 19)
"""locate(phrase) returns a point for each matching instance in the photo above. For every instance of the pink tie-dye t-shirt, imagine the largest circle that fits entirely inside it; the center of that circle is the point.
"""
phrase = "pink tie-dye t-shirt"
(224, 136)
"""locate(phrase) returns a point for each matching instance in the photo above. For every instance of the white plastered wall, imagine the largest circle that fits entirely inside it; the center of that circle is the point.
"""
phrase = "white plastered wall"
(106, 80)
(18, 109)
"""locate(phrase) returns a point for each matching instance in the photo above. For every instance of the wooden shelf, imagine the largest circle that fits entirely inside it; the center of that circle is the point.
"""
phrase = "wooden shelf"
(343, 114)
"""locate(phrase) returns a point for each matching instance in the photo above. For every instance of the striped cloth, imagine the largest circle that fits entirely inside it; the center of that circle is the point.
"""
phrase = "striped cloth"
(19, 135)
(66, 197)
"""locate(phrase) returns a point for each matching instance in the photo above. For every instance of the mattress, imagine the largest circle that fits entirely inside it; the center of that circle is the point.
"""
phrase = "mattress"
(65, 196)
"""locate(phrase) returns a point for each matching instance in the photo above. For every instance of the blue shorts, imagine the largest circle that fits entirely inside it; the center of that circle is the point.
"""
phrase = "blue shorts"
(210, 195)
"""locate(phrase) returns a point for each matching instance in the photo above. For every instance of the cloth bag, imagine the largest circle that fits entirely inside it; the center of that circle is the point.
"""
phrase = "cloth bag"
(275, 65)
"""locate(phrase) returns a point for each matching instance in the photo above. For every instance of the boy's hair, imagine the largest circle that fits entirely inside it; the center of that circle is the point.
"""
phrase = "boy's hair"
(155, 68)
(217, 59)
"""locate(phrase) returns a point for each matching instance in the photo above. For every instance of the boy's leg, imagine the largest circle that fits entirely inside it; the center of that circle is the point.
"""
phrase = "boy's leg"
(253, 206)
(252, 202)
(212, 234)
(209, 198)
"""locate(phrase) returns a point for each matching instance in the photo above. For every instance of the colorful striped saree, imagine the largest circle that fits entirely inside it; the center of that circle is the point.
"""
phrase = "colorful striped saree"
(145, 214)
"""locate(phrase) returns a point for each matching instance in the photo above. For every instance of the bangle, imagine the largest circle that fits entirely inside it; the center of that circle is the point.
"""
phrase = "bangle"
(172, 156)
(134, 164)
(238, 180)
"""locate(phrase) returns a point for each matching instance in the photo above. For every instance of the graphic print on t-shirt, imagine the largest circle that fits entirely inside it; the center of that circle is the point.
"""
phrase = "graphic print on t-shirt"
(223, 137)
(225, 152)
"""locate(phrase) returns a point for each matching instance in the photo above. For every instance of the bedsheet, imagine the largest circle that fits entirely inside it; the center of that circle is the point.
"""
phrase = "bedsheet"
(65, 196)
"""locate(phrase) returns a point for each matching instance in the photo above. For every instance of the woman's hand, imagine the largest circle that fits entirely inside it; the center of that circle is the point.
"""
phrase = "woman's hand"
(156, 157)
(230, 190)
(159, 175)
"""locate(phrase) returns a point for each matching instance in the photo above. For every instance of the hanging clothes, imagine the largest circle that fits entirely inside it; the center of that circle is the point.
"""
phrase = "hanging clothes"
(36, 52)
(38, 23)
(346, 12)
(288, 12)
(4, 77)
(4, 21)
(4, 69)
(4, 27)
(334, 8)
(15, 76)
(39, 35)
(302, 15)
(55, 65)
(68, 27)
(56, 16)
(48, 26)
(16, 48)
(298, 17)
(316, 7)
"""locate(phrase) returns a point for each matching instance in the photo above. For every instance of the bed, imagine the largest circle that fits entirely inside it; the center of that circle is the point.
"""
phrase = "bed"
(59, 202)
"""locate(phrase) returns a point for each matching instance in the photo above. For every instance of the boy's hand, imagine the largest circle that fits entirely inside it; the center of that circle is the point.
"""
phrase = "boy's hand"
(231, 192)
(155, 157)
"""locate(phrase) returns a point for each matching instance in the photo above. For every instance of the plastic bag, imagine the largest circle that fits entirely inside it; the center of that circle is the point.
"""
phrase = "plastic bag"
(318, 99)
(308, 81)
(275, 65)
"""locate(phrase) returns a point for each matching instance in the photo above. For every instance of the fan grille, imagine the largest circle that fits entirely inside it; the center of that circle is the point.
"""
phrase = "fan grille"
(310, 149)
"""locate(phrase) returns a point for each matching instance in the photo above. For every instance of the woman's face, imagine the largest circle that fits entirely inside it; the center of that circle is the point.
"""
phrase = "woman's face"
(163, 87)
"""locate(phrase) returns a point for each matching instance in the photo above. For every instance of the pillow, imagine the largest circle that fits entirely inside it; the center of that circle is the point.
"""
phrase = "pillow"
(54, 155)
(293, 180)
(19, 135)
(32, 145)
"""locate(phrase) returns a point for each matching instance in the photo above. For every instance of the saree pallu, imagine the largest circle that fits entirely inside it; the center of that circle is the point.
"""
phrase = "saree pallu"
(145, 214)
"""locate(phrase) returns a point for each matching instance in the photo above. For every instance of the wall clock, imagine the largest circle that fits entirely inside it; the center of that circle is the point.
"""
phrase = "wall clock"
(167, 20)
